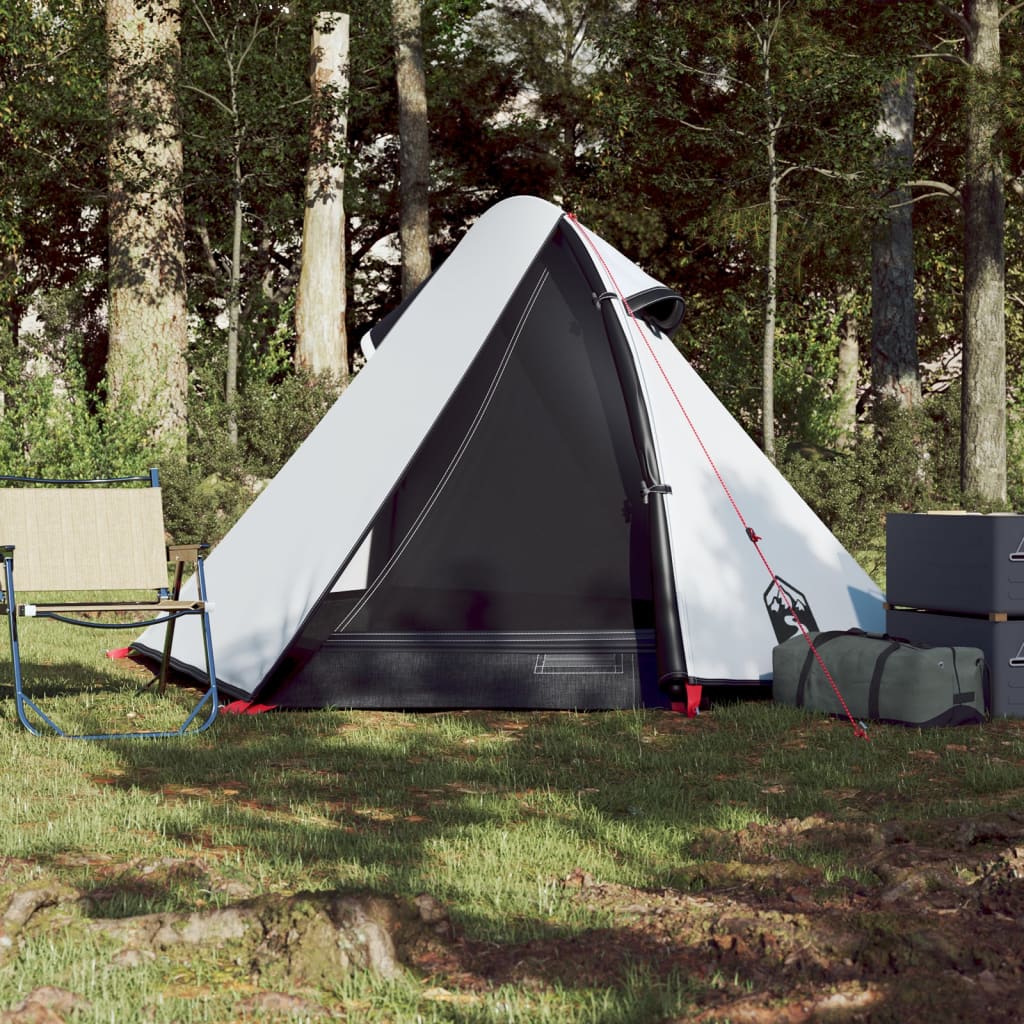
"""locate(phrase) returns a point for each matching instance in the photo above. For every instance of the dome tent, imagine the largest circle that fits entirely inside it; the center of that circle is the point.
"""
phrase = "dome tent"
(508, 507)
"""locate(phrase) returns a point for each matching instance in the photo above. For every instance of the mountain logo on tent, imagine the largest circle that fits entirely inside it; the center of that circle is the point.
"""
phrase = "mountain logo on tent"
(779, 611)
(1018, 555)
(1018, 662)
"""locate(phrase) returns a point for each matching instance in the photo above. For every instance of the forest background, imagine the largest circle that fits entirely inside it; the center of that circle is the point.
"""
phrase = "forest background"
(835, 189)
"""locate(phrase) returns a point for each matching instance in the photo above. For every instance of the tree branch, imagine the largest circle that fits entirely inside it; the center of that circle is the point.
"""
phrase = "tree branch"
(208, 251)
(950, 58)
(257, 31)
(827, 172)
(695, 127)
(208, 95)
(709, 77)
(208, 25)
(50, 60)
(1010, 12)
(938, 188)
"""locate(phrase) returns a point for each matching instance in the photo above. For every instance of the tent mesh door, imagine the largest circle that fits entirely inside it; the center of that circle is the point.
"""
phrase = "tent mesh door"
(511, 564)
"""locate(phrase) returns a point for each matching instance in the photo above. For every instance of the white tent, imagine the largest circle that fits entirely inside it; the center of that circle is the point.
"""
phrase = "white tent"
(527, 498)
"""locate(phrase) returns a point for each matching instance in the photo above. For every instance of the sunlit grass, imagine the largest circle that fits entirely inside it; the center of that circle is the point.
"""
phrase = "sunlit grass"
(488, 811)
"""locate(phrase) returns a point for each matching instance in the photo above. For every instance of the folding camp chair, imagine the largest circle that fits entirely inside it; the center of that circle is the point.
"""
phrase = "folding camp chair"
(96, 537)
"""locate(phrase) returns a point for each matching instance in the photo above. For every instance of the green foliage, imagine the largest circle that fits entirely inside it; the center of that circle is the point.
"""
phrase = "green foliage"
(684, 108)
(721, 338)
(51, 425)
(53, 139)
(806, 363)
(1015, 444)
(208, 490)
(246, 115)
(909, 463)
(647, 117)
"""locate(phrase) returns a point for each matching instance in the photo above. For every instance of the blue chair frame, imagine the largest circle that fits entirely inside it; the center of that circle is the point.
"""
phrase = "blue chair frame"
(166, 608)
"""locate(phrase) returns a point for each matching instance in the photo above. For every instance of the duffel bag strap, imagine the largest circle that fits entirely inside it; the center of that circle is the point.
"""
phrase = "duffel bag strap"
(876, 679)
(809, 661)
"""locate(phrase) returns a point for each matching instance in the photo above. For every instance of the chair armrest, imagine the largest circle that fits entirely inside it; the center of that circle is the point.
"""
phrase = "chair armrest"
(6, 550)
(185, 552)
(179, 554)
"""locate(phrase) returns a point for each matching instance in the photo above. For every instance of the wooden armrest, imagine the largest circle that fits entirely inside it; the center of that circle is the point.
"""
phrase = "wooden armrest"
(185, 552)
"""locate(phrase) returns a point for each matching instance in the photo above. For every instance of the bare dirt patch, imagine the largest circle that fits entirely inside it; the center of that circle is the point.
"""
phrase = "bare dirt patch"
(936, 935)
(933, 930)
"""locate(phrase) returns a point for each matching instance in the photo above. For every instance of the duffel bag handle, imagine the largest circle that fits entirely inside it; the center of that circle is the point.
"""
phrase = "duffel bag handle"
(883, 636)
(871, 636)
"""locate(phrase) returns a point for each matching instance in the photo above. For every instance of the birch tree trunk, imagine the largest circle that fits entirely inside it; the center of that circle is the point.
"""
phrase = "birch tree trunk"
(234, 280)
(414, 151)
(771, 304)
(895, 372)
(847, 373)
(147, 373)
(765, 35)
(322, 344)
(983, 415)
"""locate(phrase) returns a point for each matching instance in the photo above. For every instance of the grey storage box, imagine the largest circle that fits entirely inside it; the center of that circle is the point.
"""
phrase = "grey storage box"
(1001, 642)
(955, 562)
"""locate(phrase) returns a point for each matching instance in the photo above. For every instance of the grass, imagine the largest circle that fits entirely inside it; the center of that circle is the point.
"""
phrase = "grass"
(490, 812)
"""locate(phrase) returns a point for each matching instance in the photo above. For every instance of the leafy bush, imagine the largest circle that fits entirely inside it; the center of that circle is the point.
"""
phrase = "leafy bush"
(908, 463)
(723, 341)
(208, 490)
(52, 426)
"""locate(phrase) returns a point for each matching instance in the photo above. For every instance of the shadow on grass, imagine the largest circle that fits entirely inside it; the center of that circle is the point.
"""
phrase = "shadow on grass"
(501, 817)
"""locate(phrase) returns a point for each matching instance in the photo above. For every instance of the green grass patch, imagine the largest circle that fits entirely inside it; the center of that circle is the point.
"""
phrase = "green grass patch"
(490, 812)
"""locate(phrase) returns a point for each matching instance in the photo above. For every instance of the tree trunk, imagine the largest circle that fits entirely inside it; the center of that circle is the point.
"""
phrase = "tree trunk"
(147, 373)
(320, 302)
(983, 422)
(234, 289)
(771, 307)
(765, 36)
(414, 153)
(895, 372)
(847, 374)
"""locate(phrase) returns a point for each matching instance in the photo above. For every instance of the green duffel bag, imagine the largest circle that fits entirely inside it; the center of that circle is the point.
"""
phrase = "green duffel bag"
(882, 679)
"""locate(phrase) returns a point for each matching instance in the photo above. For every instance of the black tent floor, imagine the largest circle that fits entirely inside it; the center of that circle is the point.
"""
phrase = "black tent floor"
(598, 671)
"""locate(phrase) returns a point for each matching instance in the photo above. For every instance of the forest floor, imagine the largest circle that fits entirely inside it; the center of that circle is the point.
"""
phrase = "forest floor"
(752, 866)
(938, 937)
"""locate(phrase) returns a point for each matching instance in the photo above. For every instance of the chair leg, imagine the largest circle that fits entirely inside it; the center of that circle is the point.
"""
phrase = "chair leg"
(211, 668)
(24, 704)
(21, 702)
(161, 688)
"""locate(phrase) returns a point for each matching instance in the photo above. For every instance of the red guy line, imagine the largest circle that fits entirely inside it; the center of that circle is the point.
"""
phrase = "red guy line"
(859, 729)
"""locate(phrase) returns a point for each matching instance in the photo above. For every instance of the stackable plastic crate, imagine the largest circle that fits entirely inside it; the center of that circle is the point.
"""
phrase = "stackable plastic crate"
(958, 578)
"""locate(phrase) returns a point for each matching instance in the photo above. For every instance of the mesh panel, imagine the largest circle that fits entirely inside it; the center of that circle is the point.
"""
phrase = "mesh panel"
(523, 509)
(522, 512)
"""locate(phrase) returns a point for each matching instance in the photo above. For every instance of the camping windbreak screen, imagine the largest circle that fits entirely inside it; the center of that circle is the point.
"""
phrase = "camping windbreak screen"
(511, 564)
